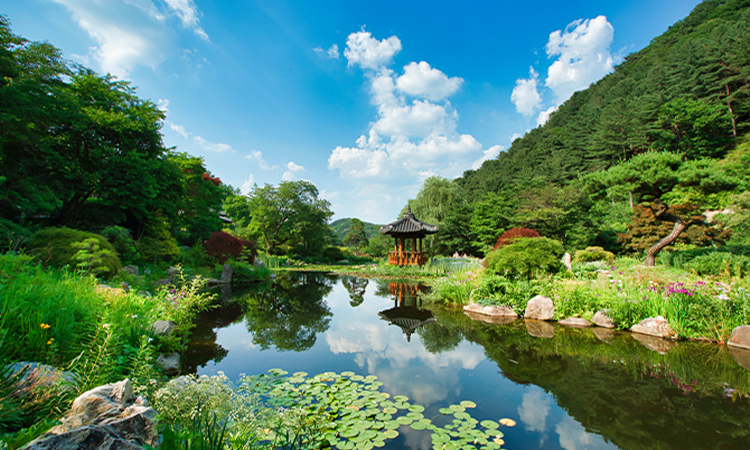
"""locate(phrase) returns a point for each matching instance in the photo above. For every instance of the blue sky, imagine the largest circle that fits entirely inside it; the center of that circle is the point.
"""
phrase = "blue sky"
(365, 99)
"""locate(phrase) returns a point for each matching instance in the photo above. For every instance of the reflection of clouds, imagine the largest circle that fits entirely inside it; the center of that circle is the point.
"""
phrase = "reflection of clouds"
(405, 368)
(416, 440)
(248, 345)
(574, 437)
(534, 410)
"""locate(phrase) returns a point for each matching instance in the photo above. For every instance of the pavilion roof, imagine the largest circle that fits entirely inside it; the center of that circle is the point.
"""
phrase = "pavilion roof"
(408, 225)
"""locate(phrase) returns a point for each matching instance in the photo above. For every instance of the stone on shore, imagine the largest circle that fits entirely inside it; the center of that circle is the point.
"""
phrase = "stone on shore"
(601, 319)
(576, 322)
(540, 329)
(740, 337)
(495, 314)
(163, 327)
(170, 364)
(226, 273)
(654, 326)
(540, 308)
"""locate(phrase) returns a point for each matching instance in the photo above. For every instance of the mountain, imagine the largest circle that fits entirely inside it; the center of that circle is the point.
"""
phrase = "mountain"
(341, 228)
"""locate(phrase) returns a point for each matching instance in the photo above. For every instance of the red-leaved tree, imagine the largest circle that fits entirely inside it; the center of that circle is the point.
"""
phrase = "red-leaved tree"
(513, 234)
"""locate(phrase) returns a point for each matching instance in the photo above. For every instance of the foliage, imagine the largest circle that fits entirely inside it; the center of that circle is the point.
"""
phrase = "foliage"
(356, 237)
(159, 244)
(222, 246)
(510, 236)
(57, 247)
(496, 289)
(526, 257)
(593, 254)
(435, 202)
(341, 228)
(122, 240)
(244, 272)
(379, 245)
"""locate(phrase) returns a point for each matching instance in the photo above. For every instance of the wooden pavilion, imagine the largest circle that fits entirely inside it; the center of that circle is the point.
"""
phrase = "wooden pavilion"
(406, 313)
(408, 228)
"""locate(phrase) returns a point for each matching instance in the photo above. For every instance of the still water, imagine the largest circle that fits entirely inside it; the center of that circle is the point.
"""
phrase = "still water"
(566, 388)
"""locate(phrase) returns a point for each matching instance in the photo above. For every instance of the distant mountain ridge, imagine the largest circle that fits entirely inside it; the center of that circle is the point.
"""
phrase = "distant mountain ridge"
(341, 228)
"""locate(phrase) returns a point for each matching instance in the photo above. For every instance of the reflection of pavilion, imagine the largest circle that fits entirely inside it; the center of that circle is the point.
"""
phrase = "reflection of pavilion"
(406, 313)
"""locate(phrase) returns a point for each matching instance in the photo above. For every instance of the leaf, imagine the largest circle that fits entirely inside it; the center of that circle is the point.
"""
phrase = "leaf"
(468, 404)
(507, 422)
(489, 424)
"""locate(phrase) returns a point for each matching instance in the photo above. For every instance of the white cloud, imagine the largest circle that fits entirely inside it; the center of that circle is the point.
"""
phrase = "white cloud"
(332, 52)
(490, 153)
(163, 105)
(293, 167)
(247, 186)
(423, 81)
(212, 147)
(525, 95)
(583, 56)
(421, 118)
(288, 176)
(368, 52)
(534, 410)
(543, 116)
(179, 129)
(188, 14)
(515, 136)
(258, 156)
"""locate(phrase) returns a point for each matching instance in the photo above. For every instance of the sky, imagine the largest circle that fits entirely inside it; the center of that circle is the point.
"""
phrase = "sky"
(364, 99)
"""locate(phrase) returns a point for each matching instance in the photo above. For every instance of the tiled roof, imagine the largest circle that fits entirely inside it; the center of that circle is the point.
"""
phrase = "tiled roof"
(408, 224)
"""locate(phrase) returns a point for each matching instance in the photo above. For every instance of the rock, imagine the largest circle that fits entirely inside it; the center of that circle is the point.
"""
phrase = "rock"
(740, 337)
(171, 272)
(653, 343)
(494, 310)
(601, 319)
(567, 261)
(163, 282)
(540, 329)
(654, 326)
(226, 273)
(259, 263)
(540, 308)
(575, 322)
(603, 334)
(40, 379)
(742, 357)
(170, 364)
(163, 327)
(494, 320)
(131, 269)
(106, 417)
(213, 282)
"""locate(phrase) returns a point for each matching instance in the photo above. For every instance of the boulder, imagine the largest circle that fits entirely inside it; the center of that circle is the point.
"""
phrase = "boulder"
(163, 327)
(494, 320)
(42, 375)
(540, 329)
(494, 310)
(654, 326)
(170, 364)
(575, 322)
(653, 343)
(567, 261)
(131, 269)
(226, 273)
(106, 417)
(540, 308)
(601, 319)
(740, 337)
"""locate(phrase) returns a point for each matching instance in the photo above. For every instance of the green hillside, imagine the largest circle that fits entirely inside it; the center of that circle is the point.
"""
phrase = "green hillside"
(341, 228)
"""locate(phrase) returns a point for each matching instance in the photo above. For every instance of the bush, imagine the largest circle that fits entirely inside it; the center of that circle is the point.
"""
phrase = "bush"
(158, 244)
(592, 254)
(60, 247)
(497, 290)
(334, 254)
(526, 257)
(123, 242)
(720, 263)
(222, 246)
(243, 272)
(513, 235)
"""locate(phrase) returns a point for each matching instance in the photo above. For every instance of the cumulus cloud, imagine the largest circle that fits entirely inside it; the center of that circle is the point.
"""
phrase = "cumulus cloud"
(130, 33)
(332, 52)
(490, 153)
(534, 410)
(179, 129)
(257, 155)
(583, 56)
(543, 116)
(423, 81)
(293, 167)
(288, 176)
(247, 186)
(369, 53)
(211, 146)
(525, 95)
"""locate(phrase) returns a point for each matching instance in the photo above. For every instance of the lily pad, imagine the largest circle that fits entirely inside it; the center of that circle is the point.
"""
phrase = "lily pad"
(391, 434)
(446, 411)
(468, 404)
(404, 420)
(490, 424)
(401, 398)
(507, 422)
(416, 408)
(418, 426)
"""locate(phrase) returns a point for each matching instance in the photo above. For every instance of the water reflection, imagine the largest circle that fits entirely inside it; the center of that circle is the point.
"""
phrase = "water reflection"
(356, 288)
(407, 313)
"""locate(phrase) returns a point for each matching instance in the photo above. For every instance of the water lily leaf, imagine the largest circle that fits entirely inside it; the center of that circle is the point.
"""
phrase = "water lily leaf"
(357, 378)
(457, 408)
(370, 378)
(446, 411)
(277, 371)
(416, 408)
(490, 424)
(392, 425)
(391, 434)
(346, 445)
(401, 398)
(300, 374)
(390, 410)
(350, 433)
(415, 416)
(461, 415)
(377, 425)
(496, 433)
(401, 405)
(418, 426)
(468, 404)
(378, 444)
(383, 417)
(347, 374)
(403, 420)
(507, 422)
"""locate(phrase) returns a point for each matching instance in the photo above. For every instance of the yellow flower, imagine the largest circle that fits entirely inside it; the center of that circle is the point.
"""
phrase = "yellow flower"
(50, 341)
(44, 326)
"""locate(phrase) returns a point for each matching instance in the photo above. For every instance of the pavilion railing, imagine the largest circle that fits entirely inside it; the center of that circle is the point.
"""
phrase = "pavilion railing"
(407, 258)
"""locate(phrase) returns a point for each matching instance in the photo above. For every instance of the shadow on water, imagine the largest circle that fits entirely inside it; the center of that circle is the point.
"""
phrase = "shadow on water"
(613, 389)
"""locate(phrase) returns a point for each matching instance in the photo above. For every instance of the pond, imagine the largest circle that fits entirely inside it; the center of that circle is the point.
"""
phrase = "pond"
(566, 388)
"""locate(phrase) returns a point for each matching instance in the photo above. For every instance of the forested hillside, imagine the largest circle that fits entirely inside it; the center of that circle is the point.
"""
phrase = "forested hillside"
(669, 125)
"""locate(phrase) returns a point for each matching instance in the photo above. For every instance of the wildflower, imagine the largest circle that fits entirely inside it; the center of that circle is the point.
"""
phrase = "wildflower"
(134, 316)
(44, 326)
(50, 341)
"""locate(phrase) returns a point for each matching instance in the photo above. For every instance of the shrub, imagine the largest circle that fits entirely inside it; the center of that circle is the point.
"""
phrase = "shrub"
(592, 254)
(123, 242)
(222, 246)
(526, 257)
(334, 254)
(245, 272)
(720, 263)
(498, 290)
(513, 235)
(158, 244)
(60, 247)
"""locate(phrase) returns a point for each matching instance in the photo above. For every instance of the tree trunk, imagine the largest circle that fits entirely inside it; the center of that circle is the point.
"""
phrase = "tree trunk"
(679, 226)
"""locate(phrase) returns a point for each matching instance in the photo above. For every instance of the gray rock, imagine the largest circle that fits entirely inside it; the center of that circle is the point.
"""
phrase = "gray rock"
(259, 263)
(170, 364)
(575, 322)
(654, 326)
(226, 273)
(540, 308)
(653, 343)
(171, 272)
(42, 375)
(567, 261)
(106, 417)
(601, 319)
(540, 329)
(494, 320)
(163, 327)
(740, 337)
(494, 310)
(163, 282)
(131, 269)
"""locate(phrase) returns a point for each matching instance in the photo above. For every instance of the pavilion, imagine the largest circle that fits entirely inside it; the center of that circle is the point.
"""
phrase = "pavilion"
(413, 230)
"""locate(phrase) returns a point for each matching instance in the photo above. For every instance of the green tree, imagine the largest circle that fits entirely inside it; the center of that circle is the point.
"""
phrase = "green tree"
(356, 237)
(437, 197)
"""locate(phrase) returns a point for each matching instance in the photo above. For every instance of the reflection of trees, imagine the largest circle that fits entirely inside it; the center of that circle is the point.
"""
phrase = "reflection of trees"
(291, 312)
(631, 396)
(438, 337)
(356, 288)
(203, 347)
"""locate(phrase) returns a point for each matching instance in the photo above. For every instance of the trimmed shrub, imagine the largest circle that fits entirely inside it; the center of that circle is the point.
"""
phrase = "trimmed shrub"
(158, 244)
(334, 254)
(222, 246)
(592, 254)
(60, 247)
(526, 258)
(513, 235)
(123, 242)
